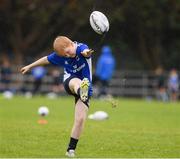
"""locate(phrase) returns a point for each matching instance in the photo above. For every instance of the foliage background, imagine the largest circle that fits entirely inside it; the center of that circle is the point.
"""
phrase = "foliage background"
(143, 34)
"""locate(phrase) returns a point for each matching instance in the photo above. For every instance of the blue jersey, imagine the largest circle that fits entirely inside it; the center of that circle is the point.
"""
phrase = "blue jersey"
(79, 66)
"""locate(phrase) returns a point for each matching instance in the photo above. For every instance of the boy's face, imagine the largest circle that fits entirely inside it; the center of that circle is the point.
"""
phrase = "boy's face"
(69, 51)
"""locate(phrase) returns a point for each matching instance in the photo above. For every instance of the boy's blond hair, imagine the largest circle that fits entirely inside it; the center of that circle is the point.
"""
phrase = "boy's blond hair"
(60, 43)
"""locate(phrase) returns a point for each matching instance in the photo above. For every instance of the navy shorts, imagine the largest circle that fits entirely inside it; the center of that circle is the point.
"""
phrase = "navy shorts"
(67, 89)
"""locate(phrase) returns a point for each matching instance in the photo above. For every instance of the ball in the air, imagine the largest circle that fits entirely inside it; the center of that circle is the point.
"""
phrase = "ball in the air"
(99, 22)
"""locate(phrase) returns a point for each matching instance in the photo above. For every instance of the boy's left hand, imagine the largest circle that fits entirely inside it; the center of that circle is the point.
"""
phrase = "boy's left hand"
(87, 52)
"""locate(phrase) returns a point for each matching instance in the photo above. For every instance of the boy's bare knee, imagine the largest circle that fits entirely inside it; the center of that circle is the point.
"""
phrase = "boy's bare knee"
(74, 84)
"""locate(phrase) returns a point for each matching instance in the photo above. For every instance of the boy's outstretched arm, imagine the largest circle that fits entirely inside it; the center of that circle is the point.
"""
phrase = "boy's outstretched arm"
(41, 61)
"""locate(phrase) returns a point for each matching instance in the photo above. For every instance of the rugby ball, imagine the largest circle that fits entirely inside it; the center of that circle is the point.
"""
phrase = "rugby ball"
(99, 22)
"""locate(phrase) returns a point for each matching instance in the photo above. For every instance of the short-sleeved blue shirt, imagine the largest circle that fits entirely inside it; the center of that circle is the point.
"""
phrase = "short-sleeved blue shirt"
(79, 65)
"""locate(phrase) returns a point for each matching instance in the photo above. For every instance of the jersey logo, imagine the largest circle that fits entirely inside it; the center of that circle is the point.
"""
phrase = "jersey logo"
(79, 68)
(77, 58)
(75, 66)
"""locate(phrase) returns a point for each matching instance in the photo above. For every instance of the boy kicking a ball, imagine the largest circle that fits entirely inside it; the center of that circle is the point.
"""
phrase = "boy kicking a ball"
(76, 60)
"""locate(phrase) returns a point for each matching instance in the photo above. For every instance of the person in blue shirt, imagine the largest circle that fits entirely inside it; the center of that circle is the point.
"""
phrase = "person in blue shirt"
(104, 69)
(76, 59)
(38, 73)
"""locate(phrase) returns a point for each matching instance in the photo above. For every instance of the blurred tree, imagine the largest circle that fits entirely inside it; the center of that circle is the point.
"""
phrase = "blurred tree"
(32, 24)
(143, 34)
(145, 31)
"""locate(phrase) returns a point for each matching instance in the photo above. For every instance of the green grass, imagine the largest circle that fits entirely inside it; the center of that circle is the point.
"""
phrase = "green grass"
(136, 128)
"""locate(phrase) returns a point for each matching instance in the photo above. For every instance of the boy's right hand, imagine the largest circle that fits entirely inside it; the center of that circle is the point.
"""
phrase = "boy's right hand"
(25, 69)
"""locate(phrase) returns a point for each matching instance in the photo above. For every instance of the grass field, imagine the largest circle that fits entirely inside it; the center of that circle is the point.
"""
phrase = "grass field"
(136, 128)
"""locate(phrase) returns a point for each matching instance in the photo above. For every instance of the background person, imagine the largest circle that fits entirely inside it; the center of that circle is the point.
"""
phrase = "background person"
(104, 70)
(160, 85)
(5, 76)
(38, 73)
(173, 85)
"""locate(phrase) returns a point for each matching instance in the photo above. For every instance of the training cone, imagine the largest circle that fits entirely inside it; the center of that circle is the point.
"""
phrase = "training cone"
(42, 121)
